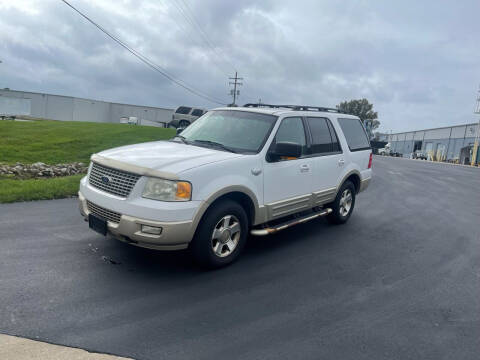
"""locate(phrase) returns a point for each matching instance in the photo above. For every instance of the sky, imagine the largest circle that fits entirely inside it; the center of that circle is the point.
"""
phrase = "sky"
(418, 62)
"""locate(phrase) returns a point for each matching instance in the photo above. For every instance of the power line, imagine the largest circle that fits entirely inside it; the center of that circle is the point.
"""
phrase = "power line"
(146, 60)
(188, 32)
(190, 17)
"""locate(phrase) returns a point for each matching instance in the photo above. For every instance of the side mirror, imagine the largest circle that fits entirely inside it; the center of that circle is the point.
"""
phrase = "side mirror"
(285, 149)
(179, 130)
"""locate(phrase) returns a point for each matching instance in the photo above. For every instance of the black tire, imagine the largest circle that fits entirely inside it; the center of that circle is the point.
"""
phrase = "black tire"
(204, 244)
(183, 124)
(338, 215)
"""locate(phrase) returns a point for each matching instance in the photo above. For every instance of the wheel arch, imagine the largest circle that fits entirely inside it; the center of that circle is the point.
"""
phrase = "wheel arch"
(354, 177)
(244, 196)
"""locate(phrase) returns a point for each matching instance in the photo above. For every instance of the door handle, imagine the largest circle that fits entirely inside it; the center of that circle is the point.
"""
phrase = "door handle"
(341, 162)
(304, 168)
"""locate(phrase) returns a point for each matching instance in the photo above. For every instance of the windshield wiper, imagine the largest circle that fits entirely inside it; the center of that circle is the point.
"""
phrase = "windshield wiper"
(182, 139)
(213, 143)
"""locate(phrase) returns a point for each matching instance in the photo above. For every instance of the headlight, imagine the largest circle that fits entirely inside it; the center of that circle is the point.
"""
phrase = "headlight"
(167, 190)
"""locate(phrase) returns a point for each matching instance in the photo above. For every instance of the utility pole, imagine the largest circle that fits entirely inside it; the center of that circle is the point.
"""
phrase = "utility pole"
(477, 135)
(235, 83)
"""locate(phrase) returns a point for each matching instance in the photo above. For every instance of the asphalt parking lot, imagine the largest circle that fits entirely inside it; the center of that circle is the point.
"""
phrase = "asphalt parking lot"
(401, 280)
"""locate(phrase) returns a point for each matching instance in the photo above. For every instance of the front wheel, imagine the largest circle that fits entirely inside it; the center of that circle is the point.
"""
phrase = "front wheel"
(183, 124)
(221, 235)
(342, 206)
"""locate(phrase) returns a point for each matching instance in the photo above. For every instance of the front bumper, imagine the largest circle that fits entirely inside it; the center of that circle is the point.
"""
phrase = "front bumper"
(174, 235)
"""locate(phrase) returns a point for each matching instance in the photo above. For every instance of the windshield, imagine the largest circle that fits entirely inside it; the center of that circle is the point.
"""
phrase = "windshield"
(240, 131)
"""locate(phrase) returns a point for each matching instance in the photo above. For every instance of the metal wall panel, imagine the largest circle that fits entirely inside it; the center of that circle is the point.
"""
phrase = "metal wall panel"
(164, 115)
(471, 130)
(437, 134)
(458, 132)
(58, 107)
(90, 110)
(14, 106)
(409, 136)
(419, 135)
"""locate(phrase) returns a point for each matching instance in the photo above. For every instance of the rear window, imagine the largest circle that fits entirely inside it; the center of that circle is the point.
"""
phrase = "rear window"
(321, 139)
(355, 134)
(197, 112)
(183, 110)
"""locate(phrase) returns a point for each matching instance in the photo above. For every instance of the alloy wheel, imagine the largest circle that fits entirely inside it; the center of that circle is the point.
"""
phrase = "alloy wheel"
(225, 236)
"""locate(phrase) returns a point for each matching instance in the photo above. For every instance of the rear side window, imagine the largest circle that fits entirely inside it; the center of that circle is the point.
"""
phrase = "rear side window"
(321, 138)
(355, 134)
(335, 144)
(197, 112)
(183, 110)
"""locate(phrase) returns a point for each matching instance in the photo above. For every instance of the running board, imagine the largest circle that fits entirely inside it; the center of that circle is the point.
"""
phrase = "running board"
(287, 224)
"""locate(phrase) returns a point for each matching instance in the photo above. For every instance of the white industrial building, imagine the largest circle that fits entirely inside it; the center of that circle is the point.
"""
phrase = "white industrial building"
(452, 143)
(68, 108)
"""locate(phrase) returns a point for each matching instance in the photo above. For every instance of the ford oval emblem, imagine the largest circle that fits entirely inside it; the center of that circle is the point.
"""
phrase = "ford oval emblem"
(106, 179)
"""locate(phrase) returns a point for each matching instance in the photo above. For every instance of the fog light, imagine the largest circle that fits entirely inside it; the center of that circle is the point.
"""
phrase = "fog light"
(151, 230)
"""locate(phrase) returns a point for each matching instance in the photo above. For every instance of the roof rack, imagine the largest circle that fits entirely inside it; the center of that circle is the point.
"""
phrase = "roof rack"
(294, 107)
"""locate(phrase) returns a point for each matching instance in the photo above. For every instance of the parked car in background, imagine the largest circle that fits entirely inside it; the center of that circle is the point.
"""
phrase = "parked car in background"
(420, 154)
(385, 151)
(132, 120)
(185, 115)
(234, 172)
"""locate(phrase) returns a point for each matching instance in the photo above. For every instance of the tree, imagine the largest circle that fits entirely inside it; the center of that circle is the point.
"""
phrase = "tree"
(361, 108)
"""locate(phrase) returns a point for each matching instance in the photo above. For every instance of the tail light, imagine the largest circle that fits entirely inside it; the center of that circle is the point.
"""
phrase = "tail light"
(370, 161)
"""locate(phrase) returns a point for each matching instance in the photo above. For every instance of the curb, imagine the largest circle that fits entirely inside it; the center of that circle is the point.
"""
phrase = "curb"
(18, 348)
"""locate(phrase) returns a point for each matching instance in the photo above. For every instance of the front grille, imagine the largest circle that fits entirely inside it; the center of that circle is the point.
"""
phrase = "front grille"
(116, 182)
(103, 213)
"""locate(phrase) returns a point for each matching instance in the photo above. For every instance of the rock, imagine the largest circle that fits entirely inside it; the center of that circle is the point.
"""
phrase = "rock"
(40, 169)
(38, 164)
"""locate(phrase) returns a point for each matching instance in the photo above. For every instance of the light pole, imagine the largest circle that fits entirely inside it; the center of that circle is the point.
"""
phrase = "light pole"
(477, 135)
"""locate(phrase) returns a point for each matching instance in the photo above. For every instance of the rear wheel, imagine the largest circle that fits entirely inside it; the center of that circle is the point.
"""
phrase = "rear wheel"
(221, 235)
(342, 206)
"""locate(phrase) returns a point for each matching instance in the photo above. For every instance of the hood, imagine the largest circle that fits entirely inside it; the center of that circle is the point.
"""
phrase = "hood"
(167, 156)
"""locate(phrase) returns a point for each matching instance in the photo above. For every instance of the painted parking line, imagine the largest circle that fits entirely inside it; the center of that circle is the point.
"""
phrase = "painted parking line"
(17, 348)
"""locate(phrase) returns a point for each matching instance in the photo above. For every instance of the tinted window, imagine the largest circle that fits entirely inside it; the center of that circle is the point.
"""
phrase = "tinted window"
(197, 112)
(321, 139)
(355, 134)
(335, 143)
(183, 110)
(292, 130)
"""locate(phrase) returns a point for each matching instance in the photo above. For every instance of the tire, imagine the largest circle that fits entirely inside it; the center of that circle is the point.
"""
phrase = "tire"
(183, 124)
(342, 208)
(221, 235)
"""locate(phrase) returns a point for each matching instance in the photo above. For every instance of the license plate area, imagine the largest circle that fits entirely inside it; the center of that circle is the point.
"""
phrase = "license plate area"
(97, 224)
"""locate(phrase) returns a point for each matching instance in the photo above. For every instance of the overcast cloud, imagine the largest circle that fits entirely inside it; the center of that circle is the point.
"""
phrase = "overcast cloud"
(416, 61)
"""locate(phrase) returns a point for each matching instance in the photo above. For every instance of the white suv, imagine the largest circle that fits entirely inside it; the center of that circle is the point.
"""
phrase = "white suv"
(235, 171)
